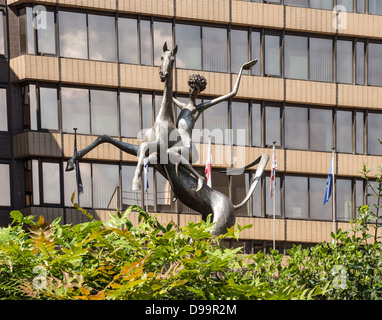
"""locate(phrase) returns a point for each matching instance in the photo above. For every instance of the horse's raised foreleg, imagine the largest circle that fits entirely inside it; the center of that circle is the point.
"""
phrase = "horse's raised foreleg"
(126, 147)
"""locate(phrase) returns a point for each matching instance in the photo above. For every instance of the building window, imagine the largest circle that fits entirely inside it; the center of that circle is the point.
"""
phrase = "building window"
(374, 133)
(189, 55)
(359, 132)
(128, 40)
(101, 31)
(105, 185)
(145, 41)
(104, 112)
(256, 52)
(240, 123)
(360, 6)
(216, 123)
(70, 185)
(272, 125)
(51, 183)
(322, 4)
(129, 114)
(75, 110)
(375, 64)
(296, 197)
(344, 131)
(239, 50)
(5, 194)
(48, 108)
(73, 35)
(257, 199)
(344, 199)
(272, 59)
(297, 3)
(321, 59)
(3, 33)
(162, 34)
(296, 128)
(46, 37)
(344, 61)
(317, 209)
(240, 187)
(348, 4)
(164, 194)
(215, 49)
(320, 130)
(375, 7)
(147, 111)
(3, 110)
(256, 124)
(360, 63)
(129, 197)
(296, 57)
(269, 200)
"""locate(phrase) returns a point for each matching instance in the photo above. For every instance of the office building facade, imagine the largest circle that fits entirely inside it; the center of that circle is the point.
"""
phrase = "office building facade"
(93, 65)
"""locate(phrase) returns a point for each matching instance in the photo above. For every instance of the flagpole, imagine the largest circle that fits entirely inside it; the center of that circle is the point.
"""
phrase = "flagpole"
(274, 202)
(334, 193)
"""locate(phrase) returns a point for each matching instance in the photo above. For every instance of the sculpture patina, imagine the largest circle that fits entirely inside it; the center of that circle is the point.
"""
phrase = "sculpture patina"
(173, 158)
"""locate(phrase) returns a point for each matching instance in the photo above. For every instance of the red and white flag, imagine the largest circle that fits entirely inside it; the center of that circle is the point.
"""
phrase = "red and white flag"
(273, 174)
(208, 165)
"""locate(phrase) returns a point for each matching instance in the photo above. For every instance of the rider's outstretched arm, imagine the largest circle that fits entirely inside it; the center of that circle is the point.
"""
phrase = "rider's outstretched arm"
(209, 104)
(178, 103)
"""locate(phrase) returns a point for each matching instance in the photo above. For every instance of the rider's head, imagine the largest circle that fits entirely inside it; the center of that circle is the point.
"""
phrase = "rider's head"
(197, 84)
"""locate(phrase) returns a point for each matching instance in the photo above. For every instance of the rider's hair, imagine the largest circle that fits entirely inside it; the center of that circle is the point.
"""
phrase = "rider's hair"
(196, 79)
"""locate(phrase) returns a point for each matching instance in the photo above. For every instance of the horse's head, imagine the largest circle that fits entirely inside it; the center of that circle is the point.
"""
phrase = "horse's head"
(167, 62)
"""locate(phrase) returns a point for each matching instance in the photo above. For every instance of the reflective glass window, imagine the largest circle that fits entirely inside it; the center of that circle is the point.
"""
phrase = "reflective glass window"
(256, 52)
(321, 59)
(147, 111)
(240, 124)
(319, 211)
(216, 123)
(348, 4)
(375, 64)
(105, 186)
(51, 183)
(104, 118)
(146, 45)
(215, 48)
(101, 37)
(360, 63)
(5, 194)
(162, 34)
(73, 35)
(239, 50)
(344, 206)
(47, 36)
(164, 194)
(296, 128)
(256, 199)
(128, 40)
(322, 4)
(375, 7)
(129, 106)
(3, 110)
(272, 55)
(240, 187)
(374, 133)
(2, 33)
(272, 125)
(129, 197)
(70, 185)
(75, 110)
(256, 124)
(48, 108)
(320, 130)
(296, 57)
(296, 197)
(359, 132)
(344, 61)
(35, 182)
(344, 131)
(188, 39)
(297, 3)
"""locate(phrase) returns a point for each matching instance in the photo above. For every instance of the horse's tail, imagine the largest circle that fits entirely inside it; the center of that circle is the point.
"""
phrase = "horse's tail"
(263, 160)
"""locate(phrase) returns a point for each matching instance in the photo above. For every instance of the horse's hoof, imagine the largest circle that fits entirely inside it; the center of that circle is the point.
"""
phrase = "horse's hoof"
(136, 185)
(70, 165)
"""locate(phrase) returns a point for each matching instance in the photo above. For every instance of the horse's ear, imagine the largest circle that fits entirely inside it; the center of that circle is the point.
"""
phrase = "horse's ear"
(175, 50)
(165, 47)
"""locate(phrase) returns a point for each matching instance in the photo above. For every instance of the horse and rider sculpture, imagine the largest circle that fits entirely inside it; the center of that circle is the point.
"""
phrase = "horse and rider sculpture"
(170, 150)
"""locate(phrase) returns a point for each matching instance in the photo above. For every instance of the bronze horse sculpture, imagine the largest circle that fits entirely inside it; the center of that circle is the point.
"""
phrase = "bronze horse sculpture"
(185, 184)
